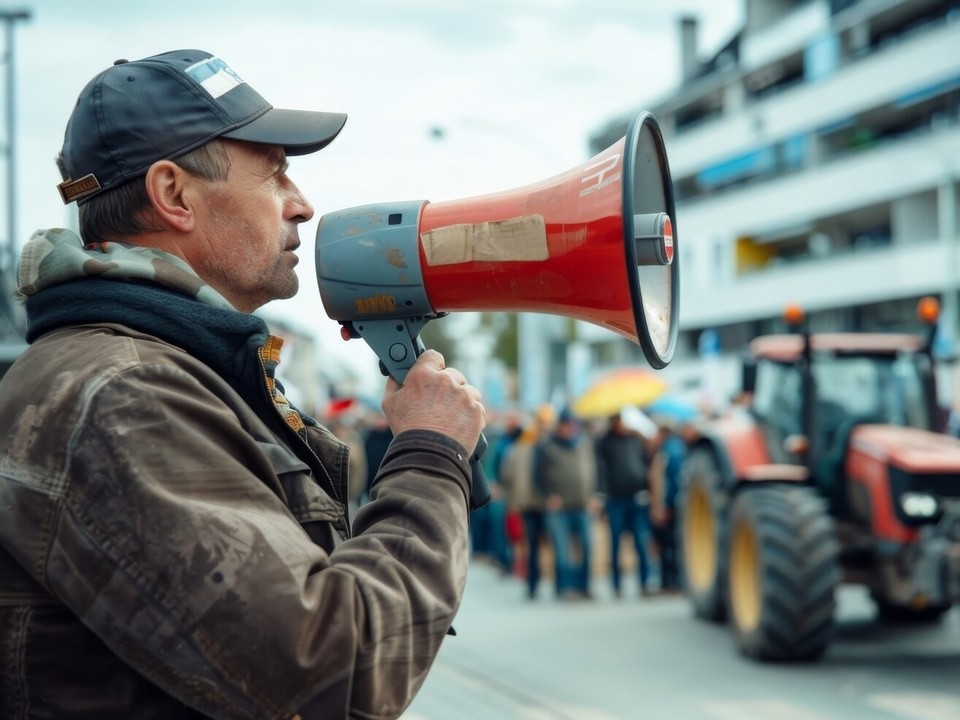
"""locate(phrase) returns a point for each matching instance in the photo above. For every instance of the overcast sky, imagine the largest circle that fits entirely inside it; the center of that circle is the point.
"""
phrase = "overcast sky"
(516, 86)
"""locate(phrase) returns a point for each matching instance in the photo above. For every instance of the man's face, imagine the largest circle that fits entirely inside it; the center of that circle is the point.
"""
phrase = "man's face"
(568, 429)
(248, 228)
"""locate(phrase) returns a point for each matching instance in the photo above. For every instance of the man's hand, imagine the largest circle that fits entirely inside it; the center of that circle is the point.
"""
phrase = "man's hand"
(435, 397)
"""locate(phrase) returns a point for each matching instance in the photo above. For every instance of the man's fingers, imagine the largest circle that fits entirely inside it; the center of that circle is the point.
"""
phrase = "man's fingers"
(458, 377)
(435, 397)
(431, 358)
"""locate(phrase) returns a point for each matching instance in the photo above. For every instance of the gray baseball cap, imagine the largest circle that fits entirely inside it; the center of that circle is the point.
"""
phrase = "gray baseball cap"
(135, 113)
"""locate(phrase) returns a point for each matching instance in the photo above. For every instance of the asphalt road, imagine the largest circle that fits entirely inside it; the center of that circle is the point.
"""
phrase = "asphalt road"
(633, 658)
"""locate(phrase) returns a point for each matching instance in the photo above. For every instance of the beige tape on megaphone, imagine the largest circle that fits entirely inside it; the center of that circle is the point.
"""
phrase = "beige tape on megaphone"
(520, 239)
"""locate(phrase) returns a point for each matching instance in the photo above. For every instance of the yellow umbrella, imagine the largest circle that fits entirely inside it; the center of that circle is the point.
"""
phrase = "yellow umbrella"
(613, 391)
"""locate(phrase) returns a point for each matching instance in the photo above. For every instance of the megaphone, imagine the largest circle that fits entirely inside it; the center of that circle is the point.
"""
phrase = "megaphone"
(596, 243)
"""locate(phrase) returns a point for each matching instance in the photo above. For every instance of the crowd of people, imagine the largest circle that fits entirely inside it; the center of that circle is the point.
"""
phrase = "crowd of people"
(558, 480)
(567, 492)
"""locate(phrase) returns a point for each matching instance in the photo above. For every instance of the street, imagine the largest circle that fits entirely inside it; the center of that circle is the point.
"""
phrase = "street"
(632, 658)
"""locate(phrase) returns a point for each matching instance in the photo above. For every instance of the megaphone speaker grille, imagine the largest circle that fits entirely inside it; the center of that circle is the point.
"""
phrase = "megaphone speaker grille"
(648, 199)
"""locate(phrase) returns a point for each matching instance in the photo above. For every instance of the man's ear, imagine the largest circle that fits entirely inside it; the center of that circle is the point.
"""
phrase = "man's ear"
(166, 184)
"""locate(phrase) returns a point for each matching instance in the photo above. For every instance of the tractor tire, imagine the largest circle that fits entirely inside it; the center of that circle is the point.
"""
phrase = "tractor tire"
(783, 573)
(701, 535)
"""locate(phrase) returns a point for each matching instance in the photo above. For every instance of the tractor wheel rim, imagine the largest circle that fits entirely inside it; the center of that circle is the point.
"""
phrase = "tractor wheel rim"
(745, 594)
(701, 547)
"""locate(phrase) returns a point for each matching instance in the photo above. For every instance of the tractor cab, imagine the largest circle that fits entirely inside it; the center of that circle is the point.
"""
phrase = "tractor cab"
(811, 390)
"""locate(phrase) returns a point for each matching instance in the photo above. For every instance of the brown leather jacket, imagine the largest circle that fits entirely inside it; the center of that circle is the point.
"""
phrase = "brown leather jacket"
(171, 548)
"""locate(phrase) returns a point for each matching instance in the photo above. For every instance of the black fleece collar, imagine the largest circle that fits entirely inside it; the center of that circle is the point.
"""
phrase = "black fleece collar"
(226, 340)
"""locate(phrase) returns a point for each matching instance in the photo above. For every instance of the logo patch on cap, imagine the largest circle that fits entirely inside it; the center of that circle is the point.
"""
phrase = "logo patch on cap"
(71, 190)
(214, 76)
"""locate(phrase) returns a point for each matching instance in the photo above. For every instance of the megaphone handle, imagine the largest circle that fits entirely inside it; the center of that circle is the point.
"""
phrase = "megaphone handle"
(479, 487)
(382, 337)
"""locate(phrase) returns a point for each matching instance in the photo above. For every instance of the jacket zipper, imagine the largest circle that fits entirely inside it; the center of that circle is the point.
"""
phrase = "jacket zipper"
(266, 391)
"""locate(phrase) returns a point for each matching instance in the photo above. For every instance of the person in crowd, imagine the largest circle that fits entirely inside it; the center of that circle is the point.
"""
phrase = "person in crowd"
(522, 495)
(377, 436)
(498, 543)
(625, 489)
(174, 539)
(565, 472)
(666, 468)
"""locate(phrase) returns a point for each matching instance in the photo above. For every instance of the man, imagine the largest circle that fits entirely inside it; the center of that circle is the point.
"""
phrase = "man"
(522, 495)
(565, 473)
(488, 525)
(174, 540)
(674, 439)
(622, 470)
(377, 437)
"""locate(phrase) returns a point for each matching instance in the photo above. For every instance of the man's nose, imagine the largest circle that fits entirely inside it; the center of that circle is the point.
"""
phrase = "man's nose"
(302, 208)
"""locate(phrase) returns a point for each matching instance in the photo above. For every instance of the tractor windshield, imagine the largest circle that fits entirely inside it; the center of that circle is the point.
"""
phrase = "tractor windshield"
(850, 389)
(876, 389)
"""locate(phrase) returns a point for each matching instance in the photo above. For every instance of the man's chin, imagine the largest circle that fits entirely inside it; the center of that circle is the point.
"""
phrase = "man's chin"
(291, 291)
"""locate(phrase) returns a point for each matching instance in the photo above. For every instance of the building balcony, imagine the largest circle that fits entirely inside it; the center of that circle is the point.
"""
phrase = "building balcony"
(891, 75)
(908, 188)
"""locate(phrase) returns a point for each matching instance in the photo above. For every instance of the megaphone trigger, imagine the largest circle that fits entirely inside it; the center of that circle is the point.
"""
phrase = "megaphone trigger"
(395, 341)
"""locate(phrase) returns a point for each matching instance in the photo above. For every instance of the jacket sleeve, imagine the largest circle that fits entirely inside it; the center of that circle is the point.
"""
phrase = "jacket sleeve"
(174, 546)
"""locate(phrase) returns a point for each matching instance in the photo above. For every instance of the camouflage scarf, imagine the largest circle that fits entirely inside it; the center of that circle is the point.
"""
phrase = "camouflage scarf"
(55, 256)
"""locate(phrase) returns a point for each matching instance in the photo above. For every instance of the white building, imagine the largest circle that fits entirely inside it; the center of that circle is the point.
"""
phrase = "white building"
(815, 159)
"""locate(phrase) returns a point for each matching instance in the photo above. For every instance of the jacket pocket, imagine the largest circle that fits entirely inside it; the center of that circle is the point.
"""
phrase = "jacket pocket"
(306, 499)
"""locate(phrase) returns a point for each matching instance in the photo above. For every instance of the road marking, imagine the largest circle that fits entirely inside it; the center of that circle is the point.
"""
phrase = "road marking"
(761, 709)
(918, 706)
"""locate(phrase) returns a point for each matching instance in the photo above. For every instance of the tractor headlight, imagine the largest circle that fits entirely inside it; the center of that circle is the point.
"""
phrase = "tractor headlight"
(919, 505)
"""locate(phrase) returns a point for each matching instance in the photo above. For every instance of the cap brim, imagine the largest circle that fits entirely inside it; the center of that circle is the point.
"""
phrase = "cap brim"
(299, 132)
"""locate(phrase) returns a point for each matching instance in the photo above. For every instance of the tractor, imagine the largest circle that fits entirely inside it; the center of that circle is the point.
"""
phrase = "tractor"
(836, 470)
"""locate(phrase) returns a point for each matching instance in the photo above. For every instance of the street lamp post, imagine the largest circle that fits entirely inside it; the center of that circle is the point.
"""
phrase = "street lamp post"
(9, 261)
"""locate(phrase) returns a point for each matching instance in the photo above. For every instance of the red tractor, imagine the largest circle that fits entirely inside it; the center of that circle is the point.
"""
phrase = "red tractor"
(837, 472)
